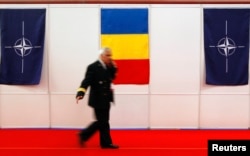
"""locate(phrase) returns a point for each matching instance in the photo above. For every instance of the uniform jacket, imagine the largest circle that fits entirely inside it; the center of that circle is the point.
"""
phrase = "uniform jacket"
(99, 80)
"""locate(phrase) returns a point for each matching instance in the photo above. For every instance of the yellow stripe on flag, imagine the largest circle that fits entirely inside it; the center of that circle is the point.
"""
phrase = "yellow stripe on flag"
(127, 46)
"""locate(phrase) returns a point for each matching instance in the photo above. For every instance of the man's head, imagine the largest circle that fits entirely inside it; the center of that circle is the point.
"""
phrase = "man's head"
(106, 55)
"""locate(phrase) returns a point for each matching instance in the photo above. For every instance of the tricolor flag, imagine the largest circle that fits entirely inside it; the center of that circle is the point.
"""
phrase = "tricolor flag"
(226, 42)
(22, 33)
(125, 31)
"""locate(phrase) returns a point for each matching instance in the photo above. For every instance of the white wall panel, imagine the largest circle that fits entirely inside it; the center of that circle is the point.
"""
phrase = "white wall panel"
(224, 111)
(131, 89)
(175, 50)
(24, 111)
(174, 111)
(65, 112)
(74, 43)
(130, 111)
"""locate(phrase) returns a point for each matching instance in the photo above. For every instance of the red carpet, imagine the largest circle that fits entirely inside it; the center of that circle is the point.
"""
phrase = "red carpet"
(46, 142)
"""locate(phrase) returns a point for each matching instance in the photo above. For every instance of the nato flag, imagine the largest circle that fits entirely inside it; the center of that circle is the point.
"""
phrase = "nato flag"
(226, 43)
(22, 33)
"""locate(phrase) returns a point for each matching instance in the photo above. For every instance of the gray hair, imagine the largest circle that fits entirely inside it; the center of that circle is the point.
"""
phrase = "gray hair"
(103, 50)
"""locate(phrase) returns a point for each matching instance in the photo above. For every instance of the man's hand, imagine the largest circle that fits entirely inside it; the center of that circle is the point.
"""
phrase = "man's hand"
(79, 96)
(112, 64)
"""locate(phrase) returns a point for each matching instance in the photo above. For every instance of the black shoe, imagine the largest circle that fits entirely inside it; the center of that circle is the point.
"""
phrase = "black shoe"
(110, 146)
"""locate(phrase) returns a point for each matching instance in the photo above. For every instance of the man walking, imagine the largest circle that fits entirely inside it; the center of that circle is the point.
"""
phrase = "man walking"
(98, 77)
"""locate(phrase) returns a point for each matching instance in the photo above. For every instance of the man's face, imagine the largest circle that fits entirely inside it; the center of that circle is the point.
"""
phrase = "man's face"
(107, 57)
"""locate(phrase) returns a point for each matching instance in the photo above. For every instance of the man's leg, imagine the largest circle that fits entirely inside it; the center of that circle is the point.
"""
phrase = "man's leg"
(85, 134)
(102, 116)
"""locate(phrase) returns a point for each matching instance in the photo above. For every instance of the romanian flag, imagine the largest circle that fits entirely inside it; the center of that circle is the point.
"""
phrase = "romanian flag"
(125, 31)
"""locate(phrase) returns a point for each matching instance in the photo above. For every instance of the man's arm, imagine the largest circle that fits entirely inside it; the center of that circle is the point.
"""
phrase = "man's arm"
(84, 84)
(113, 68)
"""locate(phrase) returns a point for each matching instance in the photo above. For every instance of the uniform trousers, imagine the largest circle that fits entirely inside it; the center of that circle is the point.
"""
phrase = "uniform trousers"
(101, 124)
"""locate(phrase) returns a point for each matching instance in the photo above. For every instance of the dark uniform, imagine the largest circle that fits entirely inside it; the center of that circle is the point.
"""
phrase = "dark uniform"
(101, 95)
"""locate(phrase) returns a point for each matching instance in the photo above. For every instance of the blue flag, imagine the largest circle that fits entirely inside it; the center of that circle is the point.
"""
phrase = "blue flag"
(22, 33)
(226, 43)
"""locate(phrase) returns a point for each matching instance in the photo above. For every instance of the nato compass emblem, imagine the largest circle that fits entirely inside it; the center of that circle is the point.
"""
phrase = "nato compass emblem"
(226, 47)
(23, 47)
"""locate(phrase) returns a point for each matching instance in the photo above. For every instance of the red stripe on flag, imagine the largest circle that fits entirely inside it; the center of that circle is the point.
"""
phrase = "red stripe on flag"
(132, 71)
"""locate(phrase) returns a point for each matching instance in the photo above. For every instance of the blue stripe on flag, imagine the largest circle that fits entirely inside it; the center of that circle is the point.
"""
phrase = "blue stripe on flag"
(124, 21)
(22, 45)
(226, 43)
